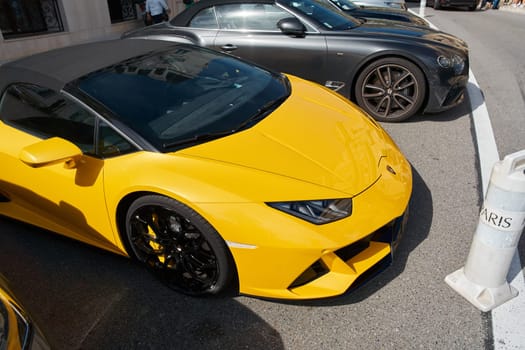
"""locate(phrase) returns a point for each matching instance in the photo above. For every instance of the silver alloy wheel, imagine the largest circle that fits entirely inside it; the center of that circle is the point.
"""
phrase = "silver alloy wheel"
(391, 89)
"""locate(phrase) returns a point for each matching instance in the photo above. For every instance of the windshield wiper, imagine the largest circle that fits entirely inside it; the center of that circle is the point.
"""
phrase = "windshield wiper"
(199, 138)
(261, 113)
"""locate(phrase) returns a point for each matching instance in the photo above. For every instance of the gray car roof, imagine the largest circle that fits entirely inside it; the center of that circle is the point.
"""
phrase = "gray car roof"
(56, 68)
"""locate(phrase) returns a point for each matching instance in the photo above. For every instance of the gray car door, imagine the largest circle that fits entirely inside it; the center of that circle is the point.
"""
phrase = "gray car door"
(250, 31)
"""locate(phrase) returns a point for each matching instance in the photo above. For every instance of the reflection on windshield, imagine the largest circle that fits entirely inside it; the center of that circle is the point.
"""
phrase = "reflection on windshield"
(324, 13)
(183, 93)
(345, 5)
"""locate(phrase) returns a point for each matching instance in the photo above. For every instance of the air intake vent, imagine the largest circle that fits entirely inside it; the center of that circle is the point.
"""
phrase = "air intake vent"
(353, 249)
(313, 272)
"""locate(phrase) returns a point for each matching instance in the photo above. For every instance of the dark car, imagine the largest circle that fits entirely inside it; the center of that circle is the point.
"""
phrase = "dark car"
(392, 71)
(17, 330)
(438, 4)
(374, 12)
(397, 4)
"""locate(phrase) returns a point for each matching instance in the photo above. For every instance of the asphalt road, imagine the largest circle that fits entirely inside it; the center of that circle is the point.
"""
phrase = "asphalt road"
(497, 58)
(85, 298)
(495, 39)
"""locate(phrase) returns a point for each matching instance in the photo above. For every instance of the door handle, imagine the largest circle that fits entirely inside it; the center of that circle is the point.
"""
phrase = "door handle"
(229, 47)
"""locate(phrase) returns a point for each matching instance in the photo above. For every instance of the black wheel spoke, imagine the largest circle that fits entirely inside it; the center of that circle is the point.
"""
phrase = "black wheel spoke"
(178, 245)
(173, 247)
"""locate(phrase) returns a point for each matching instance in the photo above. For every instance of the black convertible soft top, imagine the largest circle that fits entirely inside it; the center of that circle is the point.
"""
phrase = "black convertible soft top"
(56, 68)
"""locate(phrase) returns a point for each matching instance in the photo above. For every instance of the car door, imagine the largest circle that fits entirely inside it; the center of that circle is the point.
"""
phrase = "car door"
(249, 31)
(69, 200)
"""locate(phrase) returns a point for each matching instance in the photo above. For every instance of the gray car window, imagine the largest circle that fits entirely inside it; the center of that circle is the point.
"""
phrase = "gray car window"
(250, 16)
(324, 13)
(205, 19)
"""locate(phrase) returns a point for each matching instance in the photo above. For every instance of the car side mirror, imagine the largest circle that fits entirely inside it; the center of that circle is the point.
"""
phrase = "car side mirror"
(291, 26)
(51, 151)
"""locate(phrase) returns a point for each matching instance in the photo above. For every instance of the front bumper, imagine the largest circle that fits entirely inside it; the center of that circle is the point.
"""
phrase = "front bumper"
(350, 267)
(283, 257)
(446, 90)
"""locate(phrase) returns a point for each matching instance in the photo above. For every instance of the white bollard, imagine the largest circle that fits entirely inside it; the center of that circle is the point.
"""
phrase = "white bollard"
(483, 280)
(422, 5)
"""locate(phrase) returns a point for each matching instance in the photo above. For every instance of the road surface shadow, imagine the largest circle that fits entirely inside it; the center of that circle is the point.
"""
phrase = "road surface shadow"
(461, 110)
(84, 297)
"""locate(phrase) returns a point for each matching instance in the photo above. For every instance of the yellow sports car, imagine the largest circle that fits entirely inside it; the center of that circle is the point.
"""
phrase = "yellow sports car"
(211, 171)
(17, 331)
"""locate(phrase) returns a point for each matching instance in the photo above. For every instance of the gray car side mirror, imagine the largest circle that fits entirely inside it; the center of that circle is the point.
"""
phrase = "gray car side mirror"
(291, 26)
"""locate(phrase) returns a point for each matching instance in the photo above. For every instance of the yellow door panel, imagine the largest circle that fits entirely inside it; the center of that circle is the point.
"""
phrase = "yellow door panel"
(56, 197)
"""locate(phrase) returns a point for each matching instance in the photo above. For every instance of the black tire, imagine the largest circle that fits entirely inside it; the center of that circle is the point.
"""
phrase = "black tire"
(391, 89)
(178, 245)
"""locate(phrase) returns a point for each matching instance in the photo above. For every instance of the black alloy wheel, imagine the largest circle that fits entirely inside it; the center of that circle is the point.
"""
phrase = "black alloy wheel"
(391, 89)
(178, 245)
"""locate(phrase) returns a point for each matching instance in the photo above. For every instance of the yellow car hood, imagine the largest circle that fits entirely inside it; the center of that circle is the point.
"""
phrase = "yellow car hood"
(314, 136)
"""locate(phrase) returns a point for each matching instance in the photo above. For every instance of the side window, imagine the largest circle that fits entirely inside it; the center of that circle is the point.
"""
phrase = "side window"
(250, 16)
(111, 143)
(205, 19)
(46, 113)
(19, 18)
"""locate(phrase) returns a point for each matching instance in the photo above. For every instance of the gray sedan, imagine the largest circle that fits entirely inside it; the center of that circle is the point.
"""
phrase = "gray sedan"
(398, 4)
(391, 70)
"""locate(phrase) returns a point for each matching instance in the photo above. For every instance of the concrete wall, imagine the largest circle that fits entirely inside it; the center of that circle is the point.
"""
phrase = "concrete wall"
(83, 20)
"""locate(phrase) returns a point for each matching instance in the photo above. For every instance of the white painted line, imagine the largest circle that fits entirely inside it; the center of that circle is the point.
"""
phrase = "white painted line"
(508, 320)
(487, 148)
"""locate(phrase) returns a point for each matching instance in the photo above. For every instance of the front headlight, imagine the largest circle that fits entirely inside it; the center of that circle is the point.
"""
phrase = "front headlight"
(454, 61)
(317, 211)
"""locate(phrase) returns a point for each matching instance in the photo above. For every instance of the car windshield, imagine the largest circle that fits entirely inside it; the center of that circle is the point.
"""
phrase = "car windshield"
(186, 95)
(324, 13)
(345, 5)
